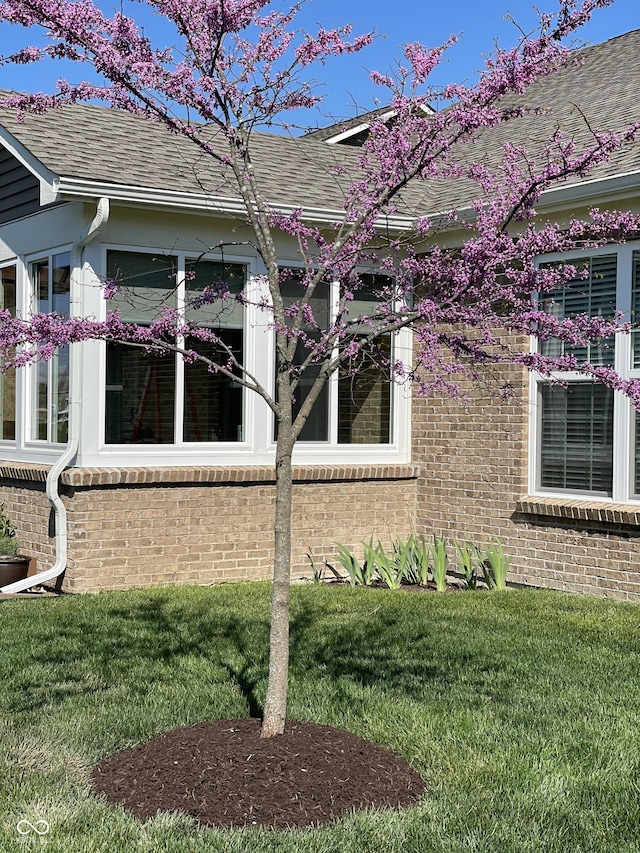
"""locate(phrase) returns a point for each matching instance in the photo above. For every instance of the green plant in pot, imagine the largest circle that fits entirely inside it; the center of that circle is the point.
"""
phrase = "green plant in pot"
(13, 565)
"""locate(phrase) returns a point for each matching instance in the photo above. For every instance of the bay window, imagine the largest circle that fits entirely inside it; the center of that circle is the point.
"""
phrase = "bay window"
(162, 401)
(586, 436)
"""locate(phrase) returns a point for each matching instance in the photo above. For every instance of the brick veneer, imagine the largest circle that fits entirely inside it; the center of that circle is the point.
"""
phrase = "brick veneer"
(473, 486)
(145, 526)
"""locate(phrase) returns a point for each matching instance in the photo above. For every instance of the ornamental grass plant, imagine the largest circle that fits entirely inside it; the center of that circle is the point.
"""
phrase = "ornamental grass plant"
(520, 712)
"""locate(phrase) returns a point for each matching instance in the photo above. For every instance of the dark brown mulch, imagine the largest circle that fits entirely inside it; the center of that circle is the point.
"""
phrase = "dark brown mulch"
(225, 775)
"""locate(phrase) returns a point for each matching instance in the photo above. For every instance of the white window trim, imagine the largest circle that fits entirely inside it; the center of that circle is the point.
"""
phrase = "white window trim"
(624, 412)
(27, 303)
(12, 442)
(258, 447)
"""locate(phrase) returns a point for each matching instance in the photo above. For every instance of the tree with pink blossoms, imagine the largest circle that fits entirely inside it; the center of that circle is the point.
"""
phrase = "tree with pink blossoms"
(241, 65)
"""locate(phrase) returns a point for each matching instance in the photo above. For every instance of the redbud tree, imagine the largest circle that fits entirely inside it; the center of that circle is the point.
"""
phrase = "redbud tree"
(239, 65)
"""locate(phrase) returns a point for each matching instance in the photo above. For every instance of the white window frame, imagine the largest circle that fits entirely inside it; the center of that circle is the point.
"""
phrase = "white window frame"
(623, 410)
(11, 442)
(258, 446)
(30, 305)
(315, 452)
(178, 445)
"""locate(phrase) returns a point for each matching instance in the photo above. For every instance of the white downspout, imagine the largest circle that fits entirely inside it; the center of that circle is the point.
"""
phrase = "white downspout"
(53, 477)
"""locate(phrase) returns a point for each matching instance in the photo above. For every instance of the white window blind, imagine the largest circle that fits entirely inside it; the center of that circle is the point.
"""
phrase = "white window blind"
(594, 295)
(635, 310)
(577, 437)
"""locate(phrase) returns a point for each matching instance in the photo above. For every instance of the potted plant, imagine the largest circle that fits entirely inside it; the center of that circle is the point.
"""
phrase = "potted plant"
(13, 565)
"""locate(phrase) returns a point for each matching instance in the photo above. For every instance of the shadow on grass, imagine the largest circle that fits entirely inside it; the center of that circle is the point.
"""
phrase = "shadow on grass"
(82, 648)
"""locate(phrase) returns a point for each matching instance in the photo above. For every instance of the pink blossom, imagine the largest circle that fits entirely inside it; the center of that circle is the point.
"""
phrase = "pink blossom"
(241, 64)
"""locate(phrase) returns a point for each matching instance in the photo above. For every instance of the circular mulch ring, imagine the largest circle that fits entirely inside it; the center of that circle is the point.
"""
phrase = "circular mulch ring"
(223, 774)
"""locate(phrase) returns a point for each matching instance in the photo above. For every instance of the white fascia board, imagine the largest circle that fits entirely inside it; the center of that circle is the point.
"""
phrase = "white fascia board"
(594, 190)
(79, 188)
(47, 178)
(353, 131)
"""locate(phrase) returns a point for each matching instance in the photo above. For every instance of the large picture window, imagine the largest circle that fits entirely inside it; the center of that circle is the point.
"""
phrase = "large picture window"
(161, 402)
(586, 435)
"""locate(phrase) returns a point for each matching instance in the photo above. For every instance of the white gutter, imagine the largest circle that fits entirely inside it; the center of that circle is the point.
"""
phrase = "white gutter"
(53, 477)
(83, 189)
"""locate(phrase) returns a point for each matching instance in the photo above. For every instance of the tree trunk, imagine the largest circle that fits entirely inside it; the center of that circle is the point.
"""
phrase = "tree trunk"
(275, 708)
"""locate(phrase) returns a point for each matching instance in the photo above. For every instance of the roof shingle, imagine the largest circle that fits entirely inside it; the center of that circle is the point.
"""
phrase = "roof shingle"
(600, 90)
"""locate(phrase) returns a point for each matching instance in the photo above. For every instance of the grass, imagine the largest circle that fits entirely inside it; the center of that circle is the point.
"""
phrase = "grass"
(519, 709)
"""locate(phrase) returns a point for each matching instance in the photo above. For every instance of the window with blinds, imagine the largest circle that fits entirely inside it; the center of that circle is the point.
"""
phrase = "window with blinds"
(576, 449)
(635, 310)
(636, 458)
(587, 437)
(594, 295)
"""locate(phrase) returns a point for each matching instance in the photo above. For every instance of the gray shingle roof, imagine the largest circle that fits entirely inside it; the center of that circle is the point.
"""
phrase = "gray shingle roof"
(96, 143)
(600, 91)
(109, 146)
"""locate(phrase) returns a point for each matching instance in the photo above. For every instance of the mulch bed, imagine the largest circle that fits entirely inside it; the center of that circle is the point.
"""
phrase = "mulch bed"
(223, 774)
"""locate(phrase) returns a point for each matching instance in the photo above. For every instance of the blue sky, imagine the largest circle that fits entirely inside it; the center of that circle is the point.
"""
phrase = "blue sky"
(345, 81)
(478, 23)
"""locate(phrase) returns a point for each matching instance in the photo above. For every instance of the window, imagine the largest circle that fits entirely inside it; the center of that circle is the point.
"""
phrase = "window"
(157, 398)
(576, 451)
(8, 380)
(587, 438)
(50, 279)
(361, 392)
(213, 402)
(317, 426)
(364, 389)
(155, 404)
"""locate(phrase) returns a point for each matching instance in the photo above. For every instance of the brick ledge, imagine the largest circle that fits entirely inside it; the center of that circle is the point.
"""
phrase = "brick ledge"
(84, 477)
(580, 510)
(24, 471)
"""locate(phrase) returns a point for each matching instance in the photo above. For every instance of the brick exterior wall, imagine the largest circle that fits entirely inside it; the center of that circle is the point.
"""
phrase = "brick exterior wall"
(22, 490)
(473, 486)
(144, 526)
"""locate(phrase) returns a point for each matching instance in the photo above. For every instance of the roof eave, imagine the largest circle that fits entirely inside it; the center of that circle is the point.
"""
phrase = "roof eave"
(70, 188)
(560, 199)
(591, 191)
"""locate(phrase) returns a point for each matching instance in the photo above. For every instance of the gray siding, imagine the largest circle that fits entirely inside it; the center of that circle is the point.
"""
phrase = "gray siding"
(19, 189)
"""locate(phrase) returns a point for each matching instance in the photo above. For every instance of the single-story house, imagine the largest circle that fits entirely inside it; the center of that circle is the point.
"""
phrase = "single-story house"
(168, 477)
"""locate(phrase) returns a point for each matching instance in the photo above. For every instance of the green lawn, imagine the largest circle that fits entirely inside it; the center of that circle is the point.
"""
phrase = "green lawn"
(521, 710)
